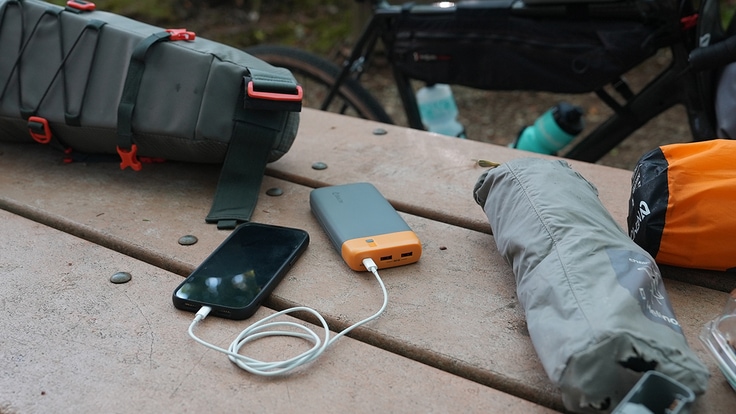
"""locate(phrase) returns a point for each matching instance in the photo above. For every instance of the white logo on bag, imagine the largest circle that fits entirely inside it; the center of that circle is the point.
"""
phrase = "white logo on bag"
(705, 40)
(640, 215)
(654, 294)
(638, 274)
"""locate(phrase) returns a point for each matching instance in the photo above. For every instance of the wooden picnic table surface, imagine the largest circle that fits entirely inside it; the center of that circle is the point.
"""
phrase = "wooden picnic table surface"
(453, 338)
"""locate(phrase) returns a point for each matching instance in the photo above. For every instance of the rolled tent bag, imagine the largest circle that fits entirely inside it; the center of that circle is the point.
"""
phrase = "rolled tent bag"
(596, 308)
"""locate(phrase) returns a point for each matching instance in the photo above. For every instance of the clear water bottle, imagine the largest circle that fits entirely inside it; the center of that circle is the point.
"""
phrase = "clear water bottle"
(551, 131)
(438, 110)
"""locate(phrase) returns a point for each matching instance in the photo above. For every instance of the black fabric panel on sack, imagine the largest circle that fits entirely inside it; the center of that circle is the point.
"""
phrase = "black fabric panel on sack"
(648, 202)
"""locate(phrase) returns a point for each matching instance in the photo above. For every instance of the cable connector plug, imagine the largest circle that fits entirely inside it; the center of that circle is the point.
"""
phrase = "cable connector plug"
(370, 265)
(201, 314)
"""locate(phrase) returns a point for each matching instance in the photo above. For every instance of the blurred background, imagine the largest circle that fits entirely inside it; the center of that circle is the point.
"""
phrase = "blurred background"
(316, 25)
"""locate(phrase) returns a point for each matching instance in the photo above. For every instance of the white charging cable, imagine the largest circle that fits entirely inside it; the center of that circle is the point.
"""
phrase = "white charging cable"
(265, 328)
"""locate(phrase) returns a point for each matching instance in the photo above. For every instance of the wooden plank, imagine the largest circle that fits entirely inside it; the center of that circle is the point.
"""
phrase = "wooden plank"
(74, 342)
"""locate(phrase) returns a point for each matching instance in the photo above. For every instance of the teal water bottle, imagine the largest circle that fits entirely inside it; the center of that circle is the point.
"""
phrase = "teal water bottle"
(551, 131)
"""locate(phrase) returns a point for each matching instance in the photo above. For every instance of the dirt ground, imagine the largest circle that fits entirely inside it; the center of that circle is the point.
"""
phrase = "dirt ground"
(488, 116)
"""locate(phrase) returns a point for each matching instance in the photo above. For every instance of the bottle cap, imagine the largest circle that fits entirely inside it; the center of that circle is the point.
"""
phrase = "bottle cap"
(568, 117)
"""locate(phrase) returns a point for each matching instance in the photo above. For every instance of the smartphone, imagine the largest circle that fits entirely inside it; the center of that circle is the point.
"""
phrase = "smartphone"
(361, 223)
(236, 278)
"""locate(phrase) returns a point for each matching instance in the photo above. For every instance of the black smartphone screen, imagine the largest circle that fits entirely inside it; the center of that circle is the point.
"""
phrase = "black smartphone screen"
(242, 271)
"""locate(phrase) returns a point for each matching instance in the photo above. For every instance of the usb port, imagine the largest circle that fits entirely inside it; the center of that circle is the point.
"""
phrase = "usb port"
(409, 254)
(384, 258)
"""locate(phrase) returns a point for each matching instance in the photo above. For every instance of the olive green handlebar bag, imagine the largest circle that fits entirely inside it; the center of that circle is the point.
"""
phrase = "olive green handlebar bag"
(91, 82)
(596, 307)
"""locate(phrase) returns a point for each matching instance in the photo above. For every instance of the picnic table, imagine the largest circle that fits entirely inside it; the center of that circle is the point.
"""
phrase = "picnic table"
(453, 338)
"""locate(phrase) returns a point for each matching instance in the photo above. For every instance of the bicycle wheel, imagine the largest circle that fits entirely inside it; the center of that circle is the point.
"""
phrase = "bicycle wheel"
(316, 75)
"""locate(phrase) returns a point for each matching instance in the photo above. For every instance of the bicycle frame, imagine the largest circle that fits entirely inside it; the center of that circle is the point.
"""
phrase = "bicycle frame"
(677, 84)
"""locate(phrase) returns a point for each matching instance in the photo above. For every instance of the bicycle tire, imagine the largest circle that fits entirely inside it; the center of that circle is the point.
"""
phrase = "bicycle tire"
(317, 75)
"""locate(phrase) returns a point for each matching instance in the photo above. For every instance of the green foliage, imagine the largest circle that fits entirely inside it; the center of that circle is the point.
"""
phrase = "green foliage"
(316, 25)
(728, 7)
(149, 11)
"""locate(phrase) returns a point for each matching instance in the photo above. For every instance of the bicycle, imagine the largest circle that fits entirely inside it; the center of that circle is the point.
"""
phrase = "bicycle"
(686, 30)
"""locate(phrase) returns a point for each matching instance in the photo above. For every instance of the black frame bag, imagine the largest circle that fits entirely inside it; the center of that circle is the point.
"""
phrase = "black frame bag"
(553, 47)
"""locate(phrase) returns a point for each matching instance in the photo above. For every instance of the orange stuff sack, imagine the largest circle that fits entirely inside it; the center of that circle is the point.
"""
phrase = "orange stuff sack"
(683, 204)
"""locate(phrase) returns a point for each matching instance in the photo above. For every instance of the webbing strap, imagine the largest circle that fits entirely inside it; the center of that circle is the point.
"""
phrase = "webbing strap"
(258, 123)
(242, 172)
(132, 85)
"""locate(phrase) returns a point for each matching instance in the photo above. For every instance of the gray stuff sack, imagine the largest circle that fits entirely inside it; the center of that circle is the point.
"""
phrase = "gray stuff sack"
(90, 82)
(596, 307)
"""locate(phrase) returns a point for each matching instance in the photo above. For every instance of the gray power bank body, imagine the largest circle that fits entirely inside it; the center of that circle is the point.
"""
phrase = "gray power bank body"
(361, 223)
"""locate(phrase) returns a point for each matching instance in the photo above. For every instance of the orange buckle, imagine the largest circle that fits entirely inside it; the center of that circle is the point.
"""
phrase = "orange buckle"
(181, 34)
(39, 129)
(81, 5)
(129, 158)
(274, 96)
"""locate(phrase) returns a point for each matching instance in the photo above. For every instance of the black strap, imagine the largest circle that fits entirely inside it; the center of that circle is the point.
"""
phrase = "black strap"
(258, 124)
(132, 85)
(242, 172)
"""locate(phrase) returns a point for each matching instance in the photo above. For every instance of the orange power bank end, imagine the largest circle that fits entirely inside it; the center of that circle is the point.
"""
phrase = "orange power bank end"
(361, 224)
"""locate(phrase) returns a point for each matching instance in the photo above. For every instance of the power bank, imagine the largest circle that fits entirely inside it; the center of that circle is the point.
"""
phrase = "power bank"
(361, 224)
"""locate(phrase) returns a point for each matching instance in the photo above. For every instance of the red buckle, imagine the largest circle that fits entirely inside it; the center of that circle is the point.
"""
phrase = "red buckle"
(274, 96)
(81, 5)
(39, 129)
(129, 158)
(688, 22)
(68, 159)
(181, 34)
